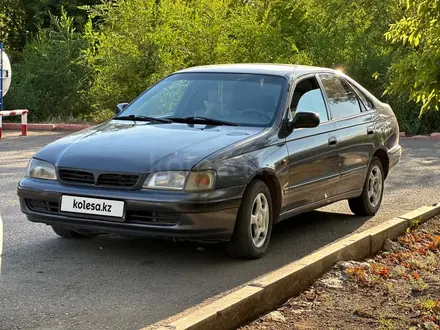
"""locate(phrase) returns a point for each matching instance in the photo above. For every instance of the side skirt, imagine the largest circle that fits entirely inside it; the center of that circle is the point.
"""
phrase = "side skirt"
(319, 204)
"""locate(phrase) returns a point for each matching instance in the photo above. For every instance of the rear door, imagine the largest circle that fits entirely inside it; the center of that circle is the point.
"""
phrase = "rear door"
(355, 130)
(313, 152)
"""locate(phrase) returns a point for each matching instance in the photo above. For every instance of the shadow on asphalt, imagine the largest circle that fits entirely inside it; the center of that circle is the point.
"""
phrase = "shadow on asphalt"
(131, 282)
(293, 239)
(185, 271)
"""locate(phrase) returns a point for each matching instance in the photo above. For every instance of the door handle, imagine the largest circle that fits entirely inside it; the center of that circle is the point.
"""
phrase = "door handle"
(370, 130)
(332, 141)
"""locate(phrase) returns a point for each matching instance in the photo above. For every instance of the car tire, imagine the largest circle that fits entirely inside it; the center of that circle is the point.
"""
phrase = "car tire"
(253, 227)
(368, 204)
(69, 233)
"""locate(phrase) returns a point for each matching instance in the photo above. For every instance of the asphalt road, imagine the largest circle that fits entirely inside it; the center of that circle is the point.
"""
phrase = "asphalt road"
(125, 283)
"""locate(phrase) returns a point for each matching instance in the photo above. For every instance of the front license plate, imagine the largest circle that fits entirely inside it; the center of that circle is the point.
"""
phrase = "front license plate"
(83, 205)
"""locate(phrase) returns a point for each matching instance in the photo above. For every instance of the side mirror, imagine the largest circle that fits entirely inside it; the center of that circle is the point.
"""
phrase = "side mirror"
(304, 120)
(120, 107)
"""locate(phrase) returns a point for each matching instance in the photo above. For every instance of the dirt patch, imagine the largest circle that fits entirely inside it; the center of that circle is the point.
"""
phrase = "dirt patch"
(398, 289)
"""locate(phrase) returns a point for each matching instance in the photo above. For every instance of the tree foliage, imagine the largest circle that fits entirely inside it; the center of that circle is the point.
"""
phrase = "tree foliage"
(20, 20)
(141, 41)
(418, 71)
(344, 34)
(12, 17)
(49, 77)
(102, 52)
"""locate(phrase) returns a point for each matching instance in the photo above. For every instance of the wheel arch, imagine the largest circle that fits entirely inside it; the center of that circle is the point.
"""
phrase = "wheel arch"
(382, 154)
(269, 177)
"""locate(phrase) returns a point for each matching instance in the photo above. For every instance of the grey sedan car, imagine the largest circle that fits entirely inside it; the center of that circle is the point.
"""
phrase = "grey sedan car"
(218, 154)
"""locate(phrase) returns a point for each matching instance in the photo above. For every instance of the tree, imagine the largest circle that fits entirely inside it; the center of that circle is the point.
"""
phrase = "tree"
(40, 12)
(12, 17)
(346, 34)
(20, 20)
(141, 41)
(50, 78)
(418, 71)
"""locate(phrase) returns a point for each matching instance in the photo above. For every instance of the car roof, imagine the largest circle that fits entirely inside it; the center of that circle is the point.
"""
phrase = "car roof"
(284, 70)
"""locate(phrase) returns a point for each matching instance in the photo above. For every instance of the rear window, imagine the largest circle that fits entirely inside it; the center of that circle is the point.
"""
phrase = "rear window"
(364, 99)
(342, 100)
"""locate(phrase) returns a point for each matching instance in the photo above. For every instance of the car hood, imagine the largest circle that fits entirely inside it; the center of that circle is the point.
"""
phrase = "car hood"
(141, 148)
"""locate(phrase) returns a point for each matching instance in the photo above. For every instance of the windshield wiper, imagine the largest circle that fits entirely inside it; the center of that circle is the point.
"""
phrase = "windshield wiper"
(143, 118)
(203, 120)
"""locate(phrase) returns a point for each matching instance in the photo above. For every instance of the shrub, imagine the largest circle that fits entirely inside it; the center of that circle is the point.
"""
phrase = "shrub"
(50, 78)
(141, 41)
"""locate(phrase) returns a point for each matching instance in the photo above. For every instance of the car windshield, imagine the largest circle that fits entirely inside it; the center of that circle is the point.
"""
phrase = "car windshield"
(241, 99)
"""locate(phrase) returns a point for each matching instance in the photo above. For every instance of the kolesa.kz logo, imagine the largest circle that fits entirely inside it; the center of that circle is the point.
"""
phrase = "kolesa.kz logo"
(83, 205)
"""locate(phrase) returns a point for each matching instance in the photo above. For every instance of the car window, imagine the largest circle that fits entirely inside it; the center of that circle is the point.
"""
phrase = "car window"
(308, 98)
(364, 99)
(342, 100)
(244, 99)
(164, 103)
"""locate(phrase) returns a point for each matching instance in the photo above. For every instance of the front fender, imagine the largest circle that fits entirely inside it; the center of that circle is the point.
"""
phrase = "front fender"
(242, 169)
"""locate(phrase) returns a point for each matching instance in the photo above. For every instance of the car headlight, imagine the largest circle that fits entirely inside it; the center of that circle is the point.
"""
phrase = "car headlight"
(40, 169)
(181, 180)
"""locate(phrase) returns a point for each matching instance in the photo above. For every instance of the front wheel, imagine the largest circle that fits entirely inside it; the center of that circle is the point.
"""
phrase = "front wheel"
(369, 202)
(254, 223)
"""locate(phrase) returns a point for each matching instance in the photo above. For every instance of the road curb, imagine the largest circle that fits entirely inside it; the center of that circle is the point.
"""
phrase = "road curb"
(271, 290)
(47, 127)
(433, 136)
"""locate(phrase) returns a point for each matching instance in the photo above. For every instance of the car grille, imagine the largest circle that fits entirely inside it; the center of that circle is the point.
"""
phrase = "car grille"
(119, 180)
(148, 217)
(104, 180)
(135, 217)
(42, 206)
(76, 176)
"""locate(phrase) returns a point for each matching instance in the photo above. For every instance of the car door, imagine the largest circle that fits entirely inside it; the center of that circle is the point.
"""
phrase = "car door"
(313, 152)
(355, 130)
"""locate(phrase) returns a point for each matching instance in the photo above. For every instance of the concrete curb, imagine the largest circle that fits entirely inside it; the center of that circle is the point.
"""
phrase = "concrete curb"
(47, 127)
(433, 136)
(270, 291)
(71, 127)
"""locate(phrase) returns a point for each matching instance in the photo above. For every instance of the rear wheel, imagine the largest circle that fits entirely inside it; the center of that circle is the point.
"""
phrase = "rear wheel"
(70, 233)
(369, 202)
(254, 223)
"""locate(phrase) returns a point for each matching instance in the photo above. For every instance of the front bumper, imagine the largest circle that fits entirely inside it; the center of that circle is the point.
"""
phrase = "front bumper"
(208, 216)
